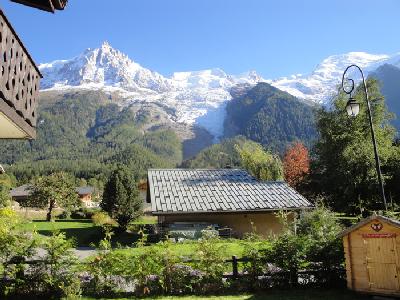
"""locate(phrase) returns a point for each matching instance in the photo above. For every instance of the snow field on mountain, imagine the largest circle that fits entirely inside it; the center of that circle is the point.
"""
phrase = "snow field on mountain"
(197, 97)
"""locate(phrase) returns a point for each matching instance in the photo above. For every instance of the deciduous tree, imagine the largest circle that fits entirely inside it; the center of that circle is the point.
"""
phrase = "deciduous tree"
(55, 189)
(296, 163)
(260, 163)
(6, 182)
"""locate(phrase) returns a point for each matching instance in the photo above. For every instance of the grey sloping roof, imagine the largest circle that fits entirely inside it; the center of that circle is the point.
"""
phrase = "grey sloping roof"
(25, 190)
(84, 190)
(393, 222)
(21, 191)
(223, 190)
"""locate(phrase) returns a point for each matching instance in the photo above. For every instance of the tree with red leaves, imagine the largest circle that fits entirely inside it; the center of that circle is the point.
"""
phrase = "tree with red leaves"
(296, 164)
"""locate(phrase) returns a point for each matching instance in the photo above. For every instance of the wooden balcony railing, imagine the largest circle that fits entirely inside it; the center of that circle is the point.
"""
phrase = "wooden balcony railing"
(19, 80)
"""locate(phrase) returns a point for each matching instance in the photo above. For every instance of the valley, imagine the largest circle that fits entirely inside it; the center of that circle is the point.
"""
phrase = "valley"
(101, 108)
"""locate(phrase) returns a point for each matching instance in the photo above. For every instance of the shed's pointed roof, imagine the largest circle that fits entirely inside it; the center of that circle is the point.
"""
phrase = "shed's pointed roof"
(393, 222)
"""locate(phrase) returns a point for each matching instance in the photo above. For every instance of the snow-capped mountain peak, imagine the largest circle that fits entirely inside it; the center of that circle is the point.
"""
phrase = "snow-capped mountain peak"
(320, 85)
(195, 97)
(103, 66)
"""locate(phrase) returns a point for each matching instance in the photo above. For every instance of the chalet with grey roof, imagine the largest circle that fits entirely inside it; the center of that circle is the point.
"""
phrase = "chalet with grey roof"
(226, 197)
(85, 193)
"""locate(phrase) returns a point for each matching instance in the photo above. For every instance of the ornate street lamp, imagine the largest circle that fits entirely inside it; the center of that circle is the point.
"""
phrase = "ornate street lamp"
(353, 108)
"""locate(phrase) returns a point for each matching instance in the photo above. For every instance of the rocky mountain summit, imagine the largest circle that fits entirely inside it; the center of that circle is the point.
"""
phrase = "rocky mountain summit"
(196, 98)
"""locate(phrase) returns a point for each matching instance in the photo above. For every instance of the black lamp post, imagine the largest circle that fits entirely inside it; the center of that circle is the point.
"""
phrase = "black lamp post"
(353, 108)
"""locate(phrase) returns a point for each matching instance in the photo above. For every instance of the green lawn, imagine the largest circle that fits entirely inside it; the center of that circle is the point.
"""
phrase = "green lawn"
(294, 294)
(85, 233)
(82, 231)
(41, 225)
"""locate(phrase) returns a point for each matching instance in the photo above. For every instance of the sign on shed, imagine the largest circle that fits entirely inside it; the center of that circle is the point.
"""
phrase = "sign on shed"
(372, 249)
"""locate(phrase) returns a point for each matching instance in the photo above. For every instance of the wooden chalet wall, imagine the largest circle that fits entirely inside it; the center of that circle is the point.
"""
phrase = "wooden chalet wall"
(19, 82)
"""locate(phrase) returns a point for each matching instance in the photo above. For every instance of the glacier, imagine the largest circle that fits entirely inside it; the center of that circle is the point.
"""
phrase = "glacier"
(197, 97)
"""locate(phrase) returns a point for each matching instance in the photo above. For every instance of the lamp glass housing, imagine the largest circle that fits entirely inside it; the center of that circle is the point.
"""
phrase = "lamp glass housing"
(352, 107)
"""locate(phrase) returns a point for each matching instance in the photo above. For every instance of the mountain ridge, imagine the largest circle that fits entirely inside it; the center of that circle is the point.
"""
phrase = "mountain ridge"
(196, 97)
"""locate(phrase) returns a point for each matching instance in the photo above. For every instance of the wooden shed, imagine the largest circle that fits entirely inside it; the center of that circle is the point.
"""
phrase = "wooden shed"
(372, 253)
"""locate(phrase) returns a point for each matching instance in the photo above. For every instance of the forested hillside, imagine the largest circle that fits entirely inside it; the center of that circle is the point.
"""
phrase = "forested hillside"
(389, 79)
(220, 155)
(86, 134)
(271, 117)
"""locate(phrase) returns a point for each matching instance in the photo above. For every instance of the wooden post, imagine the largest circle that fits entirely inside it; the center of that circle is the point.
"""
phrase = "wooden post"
(235, 272)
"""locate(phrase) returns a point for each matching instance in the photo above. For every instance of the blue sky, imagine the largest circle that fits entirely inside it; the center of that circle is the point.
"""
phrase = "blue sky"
(275, 38)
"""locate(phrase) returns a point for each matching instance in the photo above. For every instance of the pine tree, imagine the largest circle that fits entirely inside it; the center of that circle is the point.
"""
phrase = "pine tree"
(344, 167)
(121, 197)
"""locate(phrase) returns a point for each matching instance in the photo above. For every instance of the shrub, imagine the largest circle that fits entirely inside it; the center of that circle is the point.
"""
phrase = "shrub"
(54, 275)
(15, 248)
(106, 272)
(184, 279)
(254, 248)
(83, 213)
(64, 215)
(101, 218)
(168, 274)
(314, 244)
(209, 261)
(324, 249)
(288, 252)
(59, 269)
(147, 268)
(5, 198)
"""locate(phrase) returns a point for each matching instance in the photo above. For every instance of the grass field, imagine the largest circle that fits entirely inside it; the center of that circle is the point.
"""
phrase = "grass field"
(295, 294)
(84, 232)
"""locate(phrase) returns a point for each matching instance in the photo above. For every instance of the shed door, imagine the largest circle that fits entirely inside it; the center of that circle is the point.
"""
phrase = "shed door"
(381, 263)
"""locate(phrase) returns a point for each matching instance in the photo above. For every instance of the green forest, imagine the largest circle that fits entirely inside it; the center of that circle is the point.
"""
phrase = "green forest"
(271, 117)
(86, 135)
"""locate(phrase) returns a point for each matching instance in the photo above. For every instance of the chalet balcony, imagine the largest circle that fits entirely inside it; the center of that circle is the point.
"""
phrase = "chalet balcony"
(19, 86)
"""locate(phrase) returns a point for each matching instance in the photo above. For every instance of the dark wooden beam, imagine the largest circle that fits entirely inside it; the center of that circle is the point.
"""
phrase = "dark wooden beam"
(46, 5)
(60, 4)
(14, 117)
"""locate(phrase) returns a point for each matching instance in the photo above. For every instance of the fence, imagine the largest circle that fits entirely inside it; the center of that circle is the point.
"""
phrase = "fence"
(190, 282)
(235, 273)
